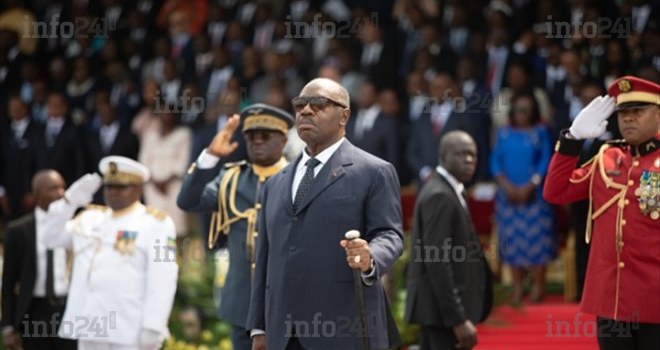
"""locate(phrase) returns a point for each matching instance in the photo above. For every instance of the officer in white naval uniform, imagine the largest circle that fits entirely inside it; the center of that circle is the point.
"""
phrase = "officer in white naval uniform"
(124, 268)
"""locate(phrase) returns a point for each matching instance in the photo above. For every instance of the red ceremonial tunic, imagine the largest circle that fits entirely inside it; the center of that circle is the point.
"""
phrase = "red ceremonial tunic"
(623, 274)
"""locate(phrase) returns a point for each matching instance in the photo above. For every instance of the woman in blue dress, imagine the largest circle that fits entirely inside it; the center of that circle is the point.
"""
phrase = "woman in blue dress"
(519, 162)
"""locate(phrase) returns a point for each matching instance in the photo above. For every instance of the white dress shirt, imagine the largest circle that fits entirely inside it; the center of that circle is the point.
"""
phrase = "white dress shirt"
(458, 187)
(108, 134)
(60, 276)
(19, 127)
(365, 120)
(301, 168)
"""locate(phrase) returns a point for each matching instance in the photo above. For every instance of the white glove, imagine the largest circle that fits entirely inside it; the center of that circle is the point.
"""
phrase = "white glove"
(82, 191)
(150, 339)
(592, 119)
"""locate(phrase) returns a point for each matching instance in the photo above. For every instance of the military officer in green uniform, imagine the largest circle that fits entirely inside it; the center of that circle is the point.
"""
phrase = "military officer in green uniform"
(233, 196)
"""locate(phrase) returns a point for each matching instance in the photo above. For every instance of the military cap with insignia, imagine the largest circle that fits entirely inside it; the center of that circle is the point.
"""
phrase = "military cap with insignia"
(117, 170)
(633, 92)
(260, 116)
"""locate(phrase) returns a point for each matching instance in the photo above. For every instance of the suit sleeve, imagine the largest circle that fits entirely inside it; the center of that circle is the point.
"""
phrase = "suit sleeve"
(383, 219)
(10, 276)
(564, 183)
(256, 314)
(161, 278)
(413, 150)
(58, 226)
(439, 216)
(199, 191)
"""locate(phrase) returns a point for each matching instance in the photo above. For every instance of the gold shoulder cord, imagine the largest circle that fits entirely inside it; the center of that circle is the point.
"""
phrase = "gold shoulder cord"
(217, 221)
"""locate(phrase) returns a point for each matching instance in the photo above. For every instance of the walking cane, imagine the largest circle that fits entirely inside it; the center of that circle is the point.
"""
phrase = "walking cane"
(357, 283)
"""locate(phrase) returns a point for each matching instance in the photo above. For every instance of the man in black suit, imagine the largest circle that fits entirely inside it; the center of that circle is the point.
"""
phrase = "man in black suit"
(61, 147)
(35, 280)
(112, 138)
(445, 112)
(371, 129)
(18, 141)
(448, 282)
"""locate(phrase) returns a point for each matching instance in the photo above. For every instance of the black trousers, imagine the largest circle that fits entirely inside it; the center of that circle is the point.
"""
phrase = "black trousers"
(294, 344)
(437, 338)
(40, 326)
(619, 335)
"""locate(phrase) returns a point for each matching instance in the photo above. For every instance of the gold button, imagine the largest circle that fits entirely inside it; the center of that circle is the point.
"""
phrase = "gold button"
(636, 163)
(623, 221)
(621, 245)
(626, 202)
(621, 265)
(257, 206)
(631, 182)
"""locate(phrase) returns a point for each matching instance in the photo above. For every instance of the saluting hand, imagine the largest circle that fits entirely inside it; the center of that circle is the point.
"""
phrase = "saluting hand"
(221, 146)
(592, 119)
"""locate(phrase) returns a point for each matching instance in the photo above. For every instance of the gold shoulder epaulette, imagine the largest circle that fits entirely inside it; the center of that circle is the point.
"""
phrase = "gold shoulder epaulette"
(95, 207)
(233, 164)
(156, 213)
(619, 142)
(90, 207)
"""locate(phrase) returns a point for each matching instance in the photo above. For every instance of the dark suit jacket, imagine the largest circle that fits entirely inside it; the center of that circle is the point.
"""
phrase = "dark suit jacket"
(19, 270)
(126, 144)
(442, 290)
(382, 140)
(66, 155)
(422, 149)
(301, 270)
(19, 163)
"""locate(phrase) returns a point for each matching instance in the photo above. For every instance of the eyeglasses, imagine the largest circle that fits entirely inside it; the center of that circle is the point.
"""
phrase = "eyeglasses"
(317, 103)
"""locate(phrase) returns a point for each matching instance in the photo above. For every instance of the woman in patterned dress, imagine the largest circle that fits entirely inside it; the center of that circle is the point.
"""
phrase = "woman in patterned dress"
(519, 162)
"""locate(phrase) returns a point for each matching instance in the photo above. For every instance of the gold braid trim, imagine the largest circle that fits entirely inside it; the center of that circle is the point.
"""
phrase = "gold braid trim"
(218, 217)
(592, 160)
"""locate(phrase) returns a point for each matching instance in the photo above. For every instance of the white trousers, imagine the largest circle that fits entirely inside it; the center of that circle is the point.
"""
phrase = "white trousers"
(84, 344)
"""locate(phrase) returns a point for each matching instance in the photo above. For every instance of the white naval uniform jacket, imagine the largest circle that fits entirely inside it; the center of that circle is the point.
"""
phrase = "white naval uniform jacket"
(137, 289)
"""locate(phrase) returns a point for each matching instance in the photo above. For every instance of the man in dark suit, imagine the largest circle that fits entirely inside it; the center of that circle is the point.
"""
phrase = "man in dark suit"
(371, 129)
(35, 280)
(18, 141)
(445, 112)
(61, 148)
(232, 194)
(307, 207)
(449, 290)
(112, 138)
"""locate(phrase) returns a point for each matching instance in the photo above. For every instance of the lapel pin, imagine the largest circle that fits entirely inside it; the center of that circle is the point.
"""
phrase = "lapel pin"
(333, 174)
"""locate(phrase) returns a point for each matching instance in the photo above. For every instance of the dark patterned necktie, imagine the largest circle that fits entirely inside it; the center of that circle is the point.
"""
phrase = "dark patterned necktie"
(306, 182)
(50, 276)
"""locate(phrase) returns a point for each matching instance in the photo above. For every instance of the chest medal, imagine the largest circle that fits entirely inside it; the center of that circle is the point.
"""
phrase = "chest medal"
(648, 194)
(125, 243)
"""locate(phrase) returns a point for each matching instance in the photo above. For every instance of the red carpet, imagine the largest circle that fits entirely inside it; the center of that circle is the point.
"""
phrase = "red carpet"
(526, 328)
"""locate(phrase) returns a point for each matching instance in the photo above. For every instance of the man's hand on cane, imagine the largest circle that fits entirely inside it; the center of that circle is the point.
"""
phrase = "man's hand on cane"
(357, 253)
(221, 146)
(591, 122)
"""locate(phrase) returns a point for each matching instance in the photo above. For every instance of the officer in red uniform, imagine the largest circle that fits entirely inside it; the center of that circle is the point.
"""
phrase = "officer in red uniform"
(622, 183)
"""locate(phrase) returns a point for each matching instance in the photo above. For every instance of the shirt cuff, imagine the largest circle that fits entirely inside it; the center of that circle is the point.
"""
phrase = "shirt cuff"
(255, 332)
(369, 277)
(424, 172)
(206, 160)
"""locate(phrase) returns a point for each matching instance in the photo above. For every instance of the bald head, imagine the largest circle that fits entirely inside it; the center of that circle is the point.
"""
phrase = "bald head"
(458, 155)
(331, 88)
(47, 187)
